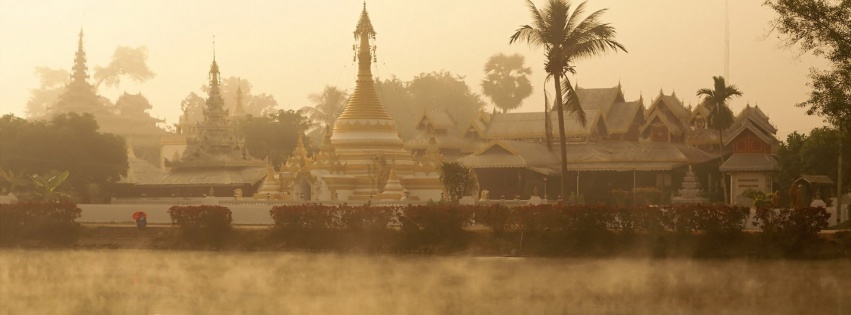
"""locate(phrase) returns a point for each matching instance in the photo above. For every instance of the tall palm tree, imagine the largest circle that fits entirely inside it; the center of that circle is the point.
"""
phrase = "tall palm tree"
(720, 115)
(566, 37)
(327, 106)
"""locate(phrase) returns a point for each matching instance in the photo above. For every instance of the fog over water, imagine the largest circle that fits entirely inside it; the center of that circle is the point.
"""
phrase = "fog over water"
(162, 282)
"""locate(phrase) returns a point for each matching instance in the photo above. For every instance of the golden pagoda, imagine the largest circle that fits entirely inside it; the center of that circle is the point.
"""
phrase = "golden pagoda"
(363, 151)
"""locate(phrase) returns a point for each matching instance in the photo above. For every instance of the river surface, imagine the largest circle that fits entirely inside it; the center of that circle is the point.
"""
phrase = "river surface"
(181, 282)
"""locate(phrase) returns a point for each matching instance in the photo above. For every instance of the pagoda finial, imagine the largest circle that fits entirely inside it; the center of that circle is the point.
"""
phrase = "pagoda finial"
(214, 74)
(80, 69)
(364, 27)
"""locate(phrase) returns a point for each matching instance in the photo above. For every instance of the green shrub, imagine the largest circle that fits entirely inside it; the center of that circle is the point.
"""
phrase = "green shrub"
(496, 217)
(790, 229)
(202, 225)
(439, 226)
(343, 227)
(45, 221)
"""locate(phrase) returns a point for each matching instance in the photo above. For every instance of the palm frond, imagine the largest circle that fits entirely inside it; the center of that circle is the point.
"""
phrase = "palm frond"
(528, 34)
(575, 18)
(571, 104)
(705, 92)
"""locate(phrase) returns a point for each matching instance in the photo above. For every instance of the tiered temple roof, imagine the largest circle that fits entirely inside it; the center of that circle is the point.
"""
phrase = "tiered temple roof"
(127, 118)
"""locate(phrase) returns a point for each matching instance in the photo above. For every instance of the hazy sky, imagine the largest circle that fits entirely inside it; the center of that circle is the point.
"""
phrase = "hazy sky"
(293, 48)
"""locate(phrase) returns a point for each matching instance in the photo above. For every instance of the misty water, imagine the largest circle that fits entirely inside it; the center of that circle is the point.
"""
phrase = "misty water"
(166, 282)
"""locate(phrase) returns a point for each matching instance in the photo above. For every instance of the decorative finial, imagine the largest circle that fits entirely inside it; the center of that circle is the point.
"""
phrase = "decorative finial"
(364, 27)
(214, 48)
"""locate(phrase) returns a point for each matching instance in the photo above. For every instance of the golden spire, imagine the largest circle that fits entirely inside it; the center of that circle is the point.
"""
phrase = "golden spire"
(364, 103)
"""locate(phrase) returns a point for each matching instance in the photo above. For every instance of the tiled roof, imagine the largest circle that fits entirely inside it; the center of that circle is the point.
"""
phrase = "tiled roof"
(749, 162)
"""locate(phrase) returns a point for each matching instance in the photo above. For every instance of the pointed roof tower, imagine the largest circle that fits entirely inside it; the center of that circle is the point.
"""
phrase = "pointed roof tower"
(364, 103)
(79, 95)
(80, 70)
(215, 144)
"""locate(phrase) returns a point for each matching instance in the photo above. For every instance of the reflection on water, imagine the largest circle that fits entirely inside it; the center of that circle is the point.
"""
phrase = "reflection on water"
(159, 282)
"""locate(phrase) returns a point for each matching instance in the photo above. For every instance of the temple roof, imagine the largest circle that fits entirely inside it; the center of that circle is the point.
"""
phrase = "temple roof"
(740, 126)
(740, 162)
(210, 177)
(703, 136)
(529, 125)
(599, 156)
(621, 116)
(600, 99)
(439, 119)
(140, 171)
(754, 114)
(815, 179)
(513, 154)
(215, 143)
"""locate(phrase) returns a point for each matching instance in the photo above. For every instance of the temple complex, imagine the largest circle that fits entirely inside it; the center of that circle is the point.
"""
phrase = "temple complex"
(128, 118)
(363, 158)
(624, 145)
(214, 161)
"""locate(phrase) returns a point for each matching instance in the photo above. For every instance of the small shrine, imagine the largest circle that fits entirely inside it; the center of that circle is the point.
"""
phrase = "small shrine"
(690, 193)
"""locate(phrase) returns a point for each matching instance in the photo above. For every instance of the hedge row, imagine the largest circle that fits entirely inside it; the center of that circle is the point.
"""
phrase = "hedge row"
(711, 219)
(207, 225)
(53, 222)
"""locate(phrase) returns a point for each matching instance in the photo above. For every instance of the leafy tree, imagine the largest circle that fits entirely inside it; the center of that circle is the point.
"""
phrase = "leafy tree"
(444, 90)
(52, 84)
(327, 106)
(68, 142)
(720, 115)
(566, 37)
(193, 107)
(789, 159)
(814, 154)
(126, 61)
(274, 135)
(406, 101)
(458, 180)
(397, 100)
(821, 27)
(254, 104)
(506, 81)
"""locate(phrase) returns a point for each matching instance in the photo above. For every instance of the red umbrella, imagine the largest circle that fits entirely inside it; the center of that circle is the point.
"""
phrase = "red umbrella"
(139, 214)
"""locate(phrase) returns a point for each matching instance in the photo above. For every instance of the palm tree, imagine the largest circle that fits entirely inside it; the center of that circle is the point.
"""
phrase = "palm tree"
(720, 115)
(327, 106)
(506, 82)
(566, 37)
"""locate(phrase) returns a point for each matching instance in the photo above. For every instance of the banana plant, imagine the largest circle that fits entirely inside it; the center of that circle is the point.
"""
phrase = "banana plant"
(14, 179)
(46, 187)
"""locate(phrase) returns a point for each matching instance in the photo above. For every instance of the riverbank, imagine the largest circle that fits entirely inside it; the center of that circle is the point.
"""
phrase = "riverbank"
(476, 241)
